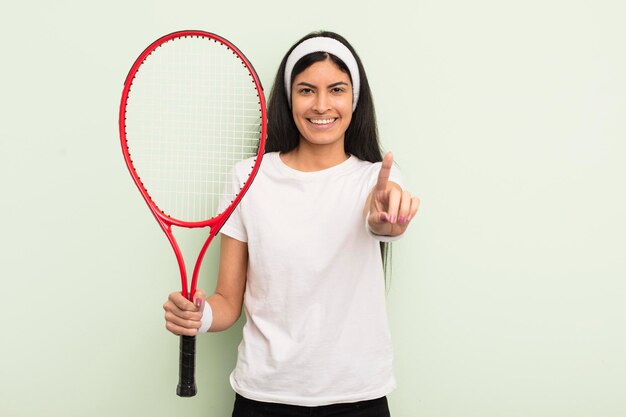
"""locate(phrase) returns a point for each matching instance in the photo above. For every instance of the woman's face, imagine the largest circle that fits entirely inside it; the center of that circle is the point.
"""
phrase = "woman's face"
(322, 104)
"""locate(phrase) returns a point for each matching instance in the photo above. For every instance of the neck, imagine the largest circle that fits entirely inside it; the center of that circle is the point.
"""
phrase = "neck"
(311, 158)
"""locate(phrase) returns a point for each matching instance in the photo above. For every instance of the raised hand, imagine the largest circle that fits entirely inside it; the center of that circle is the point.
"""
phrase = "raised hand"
(390, 208)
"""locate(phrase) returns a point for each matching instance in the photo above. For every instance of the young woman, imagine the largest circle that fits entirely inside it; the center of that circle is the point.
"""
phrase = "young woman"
(305, 263)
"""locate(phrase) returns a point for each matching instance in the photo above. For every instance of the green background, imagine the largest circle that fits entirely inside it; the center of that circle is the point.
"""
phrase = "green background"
(506, 118)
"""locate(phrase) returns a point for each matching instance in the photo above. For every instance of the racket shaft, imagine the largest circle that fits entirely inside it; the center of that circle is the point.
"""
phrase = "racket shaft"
(187, 378)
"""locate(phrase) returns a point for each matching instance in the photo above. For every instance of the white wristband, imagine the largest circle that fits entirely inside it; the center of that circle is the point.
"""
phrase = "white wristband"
(207, 318)
(380, 238)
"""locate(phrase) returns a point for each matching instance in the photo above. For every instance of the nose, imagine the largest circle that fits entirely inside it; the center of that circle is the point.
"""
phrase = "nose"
(322, 102)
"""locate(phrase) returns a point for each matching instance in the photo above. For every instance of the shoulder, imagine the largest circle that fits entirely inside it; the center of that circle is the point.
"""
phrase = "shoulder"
(244, 166)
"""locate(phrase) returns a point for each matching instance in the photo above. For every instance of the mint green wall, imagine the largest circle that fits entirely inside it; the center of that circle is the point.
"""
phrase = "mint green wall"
(507, 118)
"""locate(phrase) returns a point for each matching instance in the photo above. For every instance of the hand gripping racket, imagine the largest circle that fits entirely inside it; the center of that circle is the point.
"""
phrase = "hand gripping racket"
(191, 108)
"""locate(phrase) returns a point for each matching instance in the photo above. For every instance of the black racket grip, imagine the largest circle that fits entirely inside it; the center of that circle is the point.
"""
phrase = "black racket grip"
(187, 368)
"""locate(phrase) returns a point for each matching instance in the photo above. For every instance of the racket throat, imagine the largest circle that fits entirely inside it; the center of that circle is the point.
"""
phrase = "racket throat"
(186, 241)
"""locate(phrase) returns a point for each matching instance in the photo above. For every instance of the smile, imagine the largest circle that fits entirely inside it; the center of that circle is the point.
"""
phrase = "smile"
(322, 121)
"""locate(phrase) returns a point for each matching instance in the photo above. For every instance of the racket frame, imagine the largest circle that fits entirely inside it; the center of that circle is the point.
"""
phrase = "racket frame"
(186, 386)
(165, 221)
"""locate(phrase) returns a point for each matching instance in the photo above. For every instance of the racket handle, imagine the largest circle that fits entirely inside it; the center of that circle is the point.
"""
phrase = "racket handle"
(187, 368)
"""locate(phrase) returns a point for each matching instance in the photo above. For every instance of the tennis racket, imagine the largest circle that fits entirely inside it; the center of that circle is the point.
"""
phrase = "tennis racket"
(192, 107)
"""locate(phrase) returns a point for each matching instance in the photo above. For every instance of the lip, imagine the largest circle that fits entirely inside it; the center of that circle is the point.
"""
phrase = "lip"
(322, 122)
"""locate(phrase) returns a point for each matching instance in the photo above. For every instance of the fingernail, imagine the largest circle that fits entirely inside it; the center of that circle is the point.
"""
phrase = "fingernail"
(402, 219)
(198, 302)
(383, 217)
(392, 220)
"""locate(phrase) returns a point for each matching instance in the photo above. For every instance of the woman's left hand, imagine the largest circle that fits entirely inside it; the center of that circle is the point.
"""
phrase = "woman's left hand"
(390, 208)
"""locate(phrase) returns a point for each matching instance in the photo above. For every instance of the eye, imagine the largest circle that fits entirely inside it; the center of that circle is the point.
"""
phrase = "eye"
(305, 91)
(338, 90)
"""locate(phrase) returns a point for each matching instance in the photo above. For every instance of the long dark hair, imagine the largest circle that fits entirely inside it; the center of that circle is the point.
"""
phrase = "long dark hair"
(361, 138)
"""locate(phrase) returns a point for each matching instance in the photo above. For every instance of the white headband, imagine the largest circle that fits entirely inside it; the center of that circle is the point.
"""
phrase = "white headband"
(328, 45)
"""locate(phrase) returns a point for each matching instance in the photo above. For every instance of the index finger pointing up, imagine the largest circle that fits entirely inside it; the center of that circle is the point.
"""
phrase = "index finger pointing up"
(385, 171)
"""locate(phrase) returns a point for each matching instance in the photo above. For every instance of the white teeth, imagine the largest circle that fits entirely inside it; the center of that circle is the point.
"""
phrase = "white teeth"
(322, 121)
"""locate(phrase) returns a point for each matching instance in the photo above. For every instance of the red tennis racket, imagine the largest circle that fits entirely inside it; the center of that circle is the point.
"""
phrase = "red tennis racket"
(191, 108)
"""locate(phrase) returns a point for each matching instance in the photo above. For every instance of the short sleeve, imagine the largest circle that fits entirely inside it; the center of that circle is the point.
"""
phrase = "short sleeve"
(234, 226)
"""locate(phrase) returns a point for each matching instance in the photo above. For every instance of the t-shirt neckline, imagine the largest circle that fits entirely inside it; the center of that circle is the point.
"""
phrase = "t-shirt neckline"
(334, 170)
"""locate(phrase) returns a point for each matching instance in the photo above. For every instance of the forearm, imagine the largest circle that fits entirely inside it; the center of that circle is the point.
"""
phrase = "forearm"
(225, 312)
(227, 300)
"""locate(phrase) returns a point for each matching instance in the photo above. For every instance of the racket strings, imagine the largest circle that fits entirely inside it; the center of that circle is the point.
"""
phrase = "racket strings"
(193, 112)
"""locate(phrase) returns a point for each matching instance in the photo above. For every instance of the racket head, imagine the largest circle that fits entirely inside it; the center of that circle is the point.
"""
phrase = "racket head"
(192, 107)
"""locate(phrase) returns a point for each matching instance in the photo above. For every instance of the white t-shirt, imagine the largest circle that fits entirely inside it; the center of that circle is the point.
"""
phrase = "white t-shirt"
(316, 330)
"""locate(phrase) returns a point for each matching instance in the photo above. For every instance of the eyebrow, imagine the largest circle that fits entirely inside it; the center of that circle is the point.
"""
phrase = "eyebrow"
(305, 84)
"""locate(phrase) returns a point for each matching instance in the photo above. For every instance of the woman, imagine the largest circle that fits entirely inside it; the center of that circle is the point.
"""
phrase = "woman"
(301, 253)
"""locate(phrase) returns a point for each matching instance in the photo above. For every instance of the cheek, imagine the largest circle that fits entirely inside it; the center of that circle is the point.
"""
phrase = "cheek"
(298, 107)
(347, 116)
(345, 107)
(298, 119)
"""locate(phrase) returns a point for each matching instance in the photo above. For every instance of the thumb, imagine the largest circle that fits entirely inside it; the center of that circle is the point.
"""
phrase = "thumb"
(377, 217)
(199, 299)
